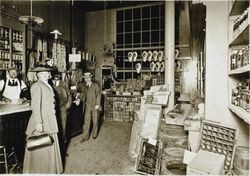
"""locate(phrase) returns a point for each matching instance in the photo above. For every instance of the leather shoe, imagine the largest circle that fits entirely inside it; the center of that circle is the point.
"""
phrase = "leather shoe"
(94, 137)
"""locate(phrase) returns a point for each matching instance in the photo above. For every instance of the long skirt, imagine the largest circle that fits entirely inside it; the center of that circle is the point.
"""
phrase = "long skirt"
(45, 160)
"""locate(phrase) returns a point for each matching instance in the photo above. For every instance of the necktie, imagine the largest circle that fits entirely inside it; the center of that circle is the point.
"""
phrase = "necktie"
(12, 83)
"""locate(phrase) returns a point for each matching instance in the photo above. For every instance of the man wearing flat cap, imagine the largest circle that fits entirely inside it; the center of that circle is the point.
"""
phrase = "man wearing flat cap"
(12, 89)
(90, 95)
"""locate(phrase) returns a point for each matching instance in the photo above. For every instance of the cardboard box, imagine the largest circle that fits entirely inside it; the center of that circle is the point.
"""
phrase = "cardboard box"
(192, 125)
(206, 163)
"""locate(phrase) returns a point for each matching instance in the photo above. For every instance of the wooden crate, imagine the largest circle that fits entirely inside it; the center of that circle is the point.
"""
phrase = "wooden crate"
(141, 157)
(218, 138)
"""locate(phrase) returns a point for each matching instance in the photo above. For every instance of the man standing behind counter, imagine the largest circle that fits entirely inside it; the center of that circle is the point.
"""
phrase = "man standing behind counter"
(12, 89)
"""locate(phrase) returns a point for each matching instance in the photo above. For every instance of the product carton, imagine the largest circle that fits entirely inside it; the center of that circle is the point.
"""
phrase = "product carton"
(206, 163)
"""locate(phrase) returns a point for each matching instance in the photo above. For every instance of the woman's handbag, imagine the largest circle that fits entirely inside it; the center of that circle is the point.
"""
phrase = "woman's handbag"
(39, 141)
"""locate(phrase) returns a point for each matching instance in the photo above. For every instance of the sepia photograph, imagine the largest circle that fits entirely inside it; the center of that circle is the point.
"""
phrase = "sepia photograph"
(124, 87)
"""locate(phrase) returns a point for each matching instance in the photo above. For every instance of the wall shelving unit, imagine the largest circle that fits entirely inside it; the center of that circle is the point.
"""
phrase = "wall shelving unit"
(11, 48)
(239, 66)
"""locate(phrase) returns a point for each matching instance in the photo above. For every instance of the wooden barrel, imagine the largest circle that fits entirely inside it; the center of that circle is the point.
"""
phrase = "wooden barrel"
(241, 160)
(173, 167)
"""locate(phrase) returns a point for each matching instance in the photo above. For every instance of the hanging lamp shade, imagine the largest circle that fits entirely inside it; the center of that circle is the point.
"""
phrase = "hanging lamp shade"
(56, 33)
(31, 20)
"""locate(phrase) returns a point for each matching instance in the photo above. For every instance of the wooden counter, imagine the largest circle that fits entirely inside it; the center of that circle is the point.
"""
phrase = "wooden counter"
(13, 123)
(13, 108)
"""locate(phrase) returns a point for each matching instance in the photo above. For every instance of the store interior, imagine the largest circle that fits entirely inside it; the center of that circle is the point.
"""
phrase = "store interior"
(173, 76)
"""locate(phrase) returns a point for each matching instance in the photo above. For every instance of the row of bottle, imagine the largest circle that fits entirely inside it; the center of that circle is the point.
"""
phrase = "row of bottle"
(87, 56)
(241, 95)
(241, 22)
(6, 64)
(17, 36)
(239, 57)
(4, 32)
(4, 55)
(4, 44)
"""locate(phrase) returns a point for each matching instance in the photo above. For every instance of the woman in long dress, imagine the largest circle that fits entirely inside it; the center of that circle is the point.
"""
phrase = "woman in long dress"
(43, 119)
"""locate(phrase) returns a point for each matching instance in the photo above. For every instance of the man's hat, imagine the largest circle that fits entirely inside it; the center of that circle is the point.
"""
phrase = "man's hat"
(87, 75)
(12, 68)
(42, 68)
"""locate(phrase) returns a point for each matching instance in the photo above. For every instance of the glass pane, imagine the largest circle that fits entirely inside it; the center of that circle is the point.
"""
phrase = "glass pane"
(128, 26)
(137, 13)
(119, 39)
(145, 12)
(128, 38)
(145, 25)
(154, 24)
(162, 38)
(137, 37)
(155, 11)
(128, 65)
(119, 15)
(162, 10)
(145, 37)
(128, 14)
(155, 36)
(119, 27)
(162, 23)
(137, 25)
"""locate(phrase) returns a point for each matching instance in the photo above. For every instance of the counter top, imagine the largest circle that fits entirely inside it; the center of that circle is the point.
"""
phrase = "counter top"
(13, 108)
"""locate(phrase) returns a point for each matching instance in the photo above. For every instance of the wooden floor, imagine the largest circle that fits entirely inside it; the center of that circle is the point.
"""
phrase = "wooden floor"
(107, 154)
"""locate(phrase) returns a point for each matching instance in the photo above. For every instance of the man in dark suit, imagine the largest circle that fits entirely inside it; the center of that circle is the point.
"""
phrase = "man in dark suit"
(90, 95)
(63, 103)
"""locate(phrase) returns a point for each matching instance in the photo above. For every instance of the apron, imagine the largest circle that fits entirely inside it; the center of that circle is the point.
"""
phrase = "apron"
(12, 92)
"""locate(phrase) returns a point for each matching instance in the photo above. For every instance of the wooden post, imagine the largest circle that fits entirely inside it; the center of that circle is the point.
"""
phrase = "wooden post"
(169, 49)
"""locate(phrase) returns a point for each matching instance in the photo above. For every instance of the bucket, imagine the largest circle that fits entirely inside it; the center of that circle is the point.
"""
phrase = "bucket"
(241, 160)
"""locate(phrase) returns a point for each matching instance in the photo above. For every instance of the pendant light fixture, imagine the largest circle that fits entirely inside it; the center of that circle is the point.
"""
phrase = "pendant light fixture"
(31, 20)
(56, 33)
(105, 48)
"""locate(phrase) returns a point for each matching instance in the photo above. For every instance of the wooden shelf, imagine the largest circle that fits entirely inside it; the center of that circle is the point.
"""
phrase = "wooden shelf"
(138, 48)
(142, 71)
(183, 58)
(242, 38)
(4, 50)
(240, 70)
(4, 59)
(4, 38)
(17, 52)
(238, 7)
(242, 113)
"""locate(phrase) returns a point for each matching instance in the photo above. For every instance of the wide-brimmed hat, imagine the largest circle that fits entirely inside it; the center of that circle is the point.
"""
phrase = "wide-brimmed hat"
(87, 75)
(12, 68)
(42, 68)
